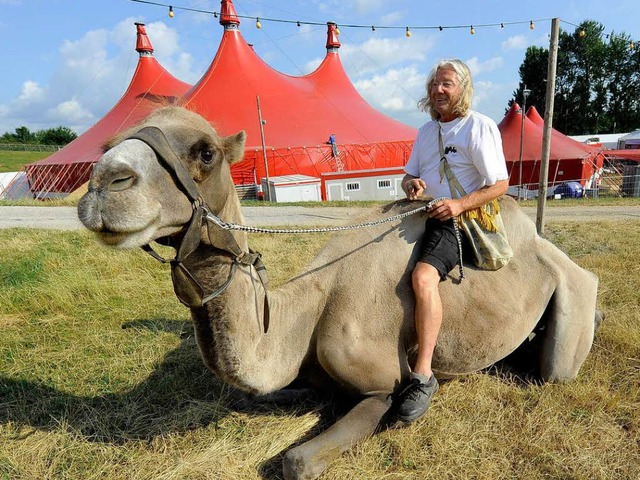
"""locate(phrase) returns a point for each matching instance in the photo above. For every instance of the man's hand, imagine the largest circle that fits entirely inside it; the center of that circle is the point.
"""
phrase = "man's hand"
(446, 209)
(414, 188)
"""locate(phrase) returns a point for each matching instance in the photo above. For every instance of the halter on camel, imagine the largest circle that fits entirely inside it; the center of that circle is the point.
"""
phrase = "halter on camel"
(186, 287)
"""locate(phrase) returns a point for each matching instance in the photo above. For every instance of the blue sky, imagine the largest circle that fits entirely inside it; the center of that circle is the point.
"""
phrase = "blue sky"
(67, 62)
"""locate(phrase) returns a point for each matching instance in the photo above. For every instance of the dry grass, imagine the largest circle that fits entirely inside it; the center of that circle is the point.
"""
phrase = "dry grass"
(100, 379)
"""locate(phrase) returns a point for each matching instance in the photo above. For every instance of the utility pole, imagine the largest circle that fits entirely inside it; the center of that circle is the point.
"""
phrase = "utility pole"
(548, 120)
(523, 110)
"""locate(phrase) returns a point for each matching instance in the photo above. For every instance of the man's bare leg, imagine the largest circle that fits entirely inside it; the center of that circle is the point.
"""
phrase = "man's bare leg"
(428, 318)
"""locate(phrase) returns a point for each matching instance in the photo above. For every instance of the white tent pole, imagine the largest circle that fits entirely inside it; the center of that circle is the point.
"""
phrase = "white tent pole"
(267, 193)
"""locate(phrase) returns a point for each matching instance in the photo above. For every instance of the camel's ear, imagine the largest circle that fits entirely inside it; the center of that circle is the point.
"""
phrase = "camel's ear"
(234, 146)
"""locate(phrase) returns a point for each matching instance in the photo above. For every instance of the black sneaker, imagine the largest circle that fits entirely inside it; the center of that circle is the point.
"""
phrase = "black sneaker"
(416, 396)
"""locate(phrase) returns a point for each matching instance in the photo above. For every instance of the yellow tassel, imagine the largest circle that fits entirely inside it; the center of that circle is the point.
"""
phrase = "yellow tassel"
(485, 215)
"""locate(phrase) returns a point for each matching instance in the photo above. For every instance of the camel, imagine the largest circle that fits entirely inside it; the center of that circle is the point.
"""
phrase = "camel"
(346, 322)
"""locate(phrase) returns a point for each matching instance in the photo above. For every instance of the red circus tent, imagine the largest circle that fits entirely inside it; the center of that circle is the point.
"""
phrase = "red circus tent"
(569, 160)
(297, 113)
(69, 168)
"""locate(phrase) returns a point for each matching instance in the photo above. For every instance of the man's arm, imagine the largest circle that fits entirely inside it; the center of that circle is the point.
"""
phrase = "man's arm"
(450, 208)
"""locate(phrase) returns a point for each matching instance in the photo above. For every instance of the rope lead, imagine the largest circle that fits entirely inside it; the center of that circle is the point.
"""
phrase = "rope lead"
(246, 228)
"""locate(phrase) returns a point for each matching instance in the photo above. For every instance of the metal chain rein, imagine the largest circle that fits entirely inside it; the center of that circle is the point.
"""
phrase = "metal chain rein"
(247, 228)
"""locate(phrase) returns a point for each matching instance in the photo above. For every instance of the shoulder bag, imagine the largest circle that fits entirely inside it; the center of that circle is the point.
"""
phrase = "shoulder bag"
(482, 225)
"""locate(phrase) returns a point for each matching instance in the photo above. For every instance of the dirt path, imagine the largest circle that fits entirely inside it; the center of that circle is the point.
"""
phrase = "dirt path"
(65, 218)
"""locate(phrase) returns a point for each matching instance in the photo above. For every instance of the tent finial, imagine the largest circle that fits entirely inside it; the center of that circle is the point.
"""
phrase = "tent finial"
(228, 16)
(333, 44)
(143, 44)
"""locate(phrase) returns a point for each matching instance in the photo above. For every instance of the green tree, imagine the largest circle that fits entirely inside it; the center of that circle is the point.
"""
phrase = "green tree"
(597, 81)
(50, 136)
(21, 135)
(535, 62)
(56, 136)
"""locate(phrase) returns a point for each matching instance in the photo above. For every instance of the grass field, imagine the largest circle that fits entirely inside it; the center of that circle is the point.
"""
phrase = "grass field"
(100, 378)
(13, 161)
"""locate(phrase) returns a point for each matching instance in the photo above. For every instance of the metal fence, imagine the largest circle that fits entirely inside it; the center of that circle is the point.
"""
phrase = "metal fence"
(29, 147)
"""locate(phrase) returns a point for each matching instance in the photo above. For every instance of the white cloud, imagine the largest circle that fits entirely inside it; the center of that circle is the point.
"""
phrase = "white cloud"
(392, 18)
(377, 54)
(491, 98)
(477, 66)
(70, 112)
(93, 73)
(396, 93)
(169, 52)
(359, 6)
(31, 93)
(517, 42)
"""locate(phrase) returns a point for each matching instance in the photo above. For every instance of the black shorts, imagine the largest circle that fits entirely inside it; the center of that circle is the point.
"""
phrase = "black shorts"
(439, 246)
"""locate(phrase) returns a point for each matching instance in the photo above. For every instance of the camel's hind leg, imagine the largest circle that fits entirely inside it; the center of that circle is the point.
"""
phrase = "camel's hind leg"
(571, 324)
(308, 460)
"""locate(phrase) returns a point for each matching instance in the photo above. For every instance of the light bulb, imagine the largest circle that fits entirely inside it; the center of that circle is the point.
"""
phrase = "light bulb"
(408, 32)
(171, 14)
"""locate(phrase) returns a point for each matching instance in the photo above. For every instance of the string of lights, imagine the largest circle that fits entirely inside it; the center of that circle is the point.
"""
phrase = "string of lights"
(407, 28)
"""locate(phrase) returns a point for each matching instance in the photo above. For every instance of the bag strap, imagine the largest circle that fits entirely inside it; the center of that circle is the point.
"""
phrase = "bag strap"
(455, 187)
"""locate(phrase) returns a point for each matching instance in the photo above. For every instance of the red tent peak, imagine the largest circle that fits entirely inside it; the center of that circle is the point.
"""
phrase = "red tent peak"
(534, 116)
(513, 111)
(143, 44)
(228, 16)
(332, 36)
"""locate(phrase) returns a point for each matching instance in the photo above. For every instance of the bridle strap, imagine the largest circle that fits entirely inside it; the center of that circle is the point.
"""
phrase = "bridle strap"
(156, 139)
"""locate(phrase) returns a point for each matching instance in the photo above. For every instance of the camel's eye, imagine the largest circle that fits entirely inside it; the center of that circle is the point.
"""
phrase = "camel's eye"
(207, 155)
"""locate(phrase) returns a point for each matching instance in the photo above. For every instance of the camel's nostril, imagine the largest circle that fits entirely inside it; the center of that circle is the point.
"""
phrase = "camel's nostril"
(122, 183)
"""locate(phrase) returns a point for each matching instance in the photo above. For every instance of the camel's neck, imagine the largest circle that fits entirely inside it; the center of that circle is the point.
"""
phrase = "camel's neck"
(230, 329)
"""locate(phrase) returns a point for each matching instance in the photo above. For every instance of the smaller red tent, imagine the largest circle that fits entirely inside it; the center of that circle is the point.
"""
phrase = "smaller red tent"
(568, 160)
(151, 87)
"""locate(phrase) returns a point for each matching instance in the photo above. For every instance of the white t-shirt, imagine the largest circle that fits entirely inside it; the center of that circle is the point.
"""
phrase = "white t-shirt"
(473, 147)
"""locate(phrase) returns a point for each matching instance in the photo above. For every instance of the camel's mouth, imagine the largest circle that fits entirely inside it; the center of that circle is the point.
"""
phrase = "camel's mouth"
(127, 239)
(111, 238)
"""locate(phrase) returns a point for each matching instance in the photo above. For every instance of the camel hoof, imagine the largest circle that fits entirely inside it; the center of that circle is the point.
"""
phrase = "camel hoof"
(296, 467)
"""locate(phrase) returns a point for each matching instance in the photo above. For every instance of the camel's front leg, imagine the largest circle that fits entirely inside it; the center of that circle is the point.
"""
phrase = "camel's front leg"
(308, 460)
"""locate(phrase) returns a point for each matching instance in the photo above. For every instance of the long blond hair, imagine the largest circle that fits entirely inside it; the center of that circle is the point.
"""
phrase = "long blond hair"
(462, 107)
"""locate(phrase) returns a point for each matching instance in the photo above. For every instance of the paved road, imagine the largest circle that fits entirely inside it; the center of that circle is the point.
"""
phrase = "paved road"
(65, 218)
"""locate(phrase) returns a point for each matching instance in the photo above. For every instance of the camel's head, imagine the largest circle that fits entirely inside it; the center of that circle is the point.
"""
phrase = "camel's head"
(134, 199)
